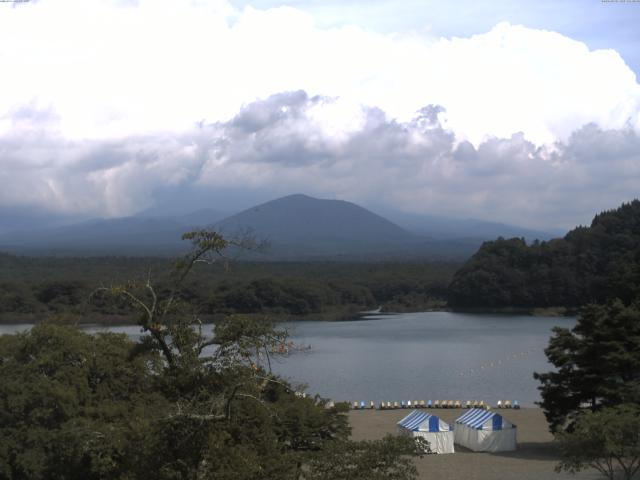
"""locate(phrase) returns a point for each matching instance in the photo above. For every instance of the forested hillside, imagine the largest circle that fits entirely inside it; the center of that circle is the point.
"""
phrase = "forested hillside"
(590, 264)
(33, 288)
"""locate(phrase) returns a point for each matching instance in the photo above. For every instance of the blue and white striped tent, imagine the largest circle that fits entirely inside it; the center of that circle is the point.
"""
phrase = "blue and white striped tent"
(485, 431)
(430, 427)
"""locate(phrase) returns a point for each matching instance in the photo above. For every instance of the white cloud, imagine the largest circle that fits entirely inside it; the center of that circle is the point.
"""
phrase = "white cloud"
(105, 102)
(278, 146)
(111, 69)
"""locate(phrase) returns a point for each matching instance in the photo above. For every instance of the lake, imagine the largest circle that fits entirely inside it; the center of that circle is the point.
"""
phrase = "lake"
(414, 356)
(420, 356)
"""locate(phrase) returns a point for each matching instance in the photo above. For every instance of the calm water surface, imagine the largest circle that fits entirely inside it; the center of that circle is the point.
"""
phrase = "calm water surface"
(432, 355)
(416, 356)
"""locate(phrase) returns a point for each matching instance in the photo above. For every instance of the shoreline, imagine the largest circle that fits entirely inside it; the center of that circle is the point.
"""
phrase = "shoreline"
(525, 311)
(335, 316)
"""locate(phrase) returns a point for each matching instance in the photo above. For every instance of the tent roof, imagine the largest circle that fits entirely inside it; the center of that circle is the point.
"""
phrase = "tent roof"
(423, 422)
(480, 419)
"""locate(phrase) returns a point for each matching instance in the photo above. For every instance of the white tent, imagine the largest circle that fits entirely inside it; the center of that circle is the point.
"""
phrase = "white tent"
(485, 431)
(431, 428)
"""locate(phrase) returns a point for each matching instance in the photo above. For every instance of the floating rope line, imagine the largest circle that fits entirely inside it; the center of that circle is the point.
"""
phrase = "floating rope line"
(510, 357)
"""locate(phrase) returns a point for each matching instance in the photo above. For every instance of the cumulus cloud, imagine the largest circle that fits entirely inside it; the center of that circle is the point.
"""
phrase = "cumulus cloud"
(107, 104)
(113, 68)
(281, 145)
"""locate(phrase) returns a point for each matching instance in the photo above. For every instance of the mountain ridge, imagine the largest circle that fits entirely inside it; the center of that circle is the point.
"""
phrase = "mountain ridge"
(298, 226)
(274, 217)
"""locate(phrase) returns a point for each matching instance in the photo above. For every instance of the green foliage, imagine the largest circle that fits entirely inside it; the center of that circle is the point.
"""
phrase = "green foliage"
(72, 405)
(61, 292)
(593, 264)
(15, 297)
(607, 440)
(597, 363)
(284, 296)
(33, 287)
(180, 404)
(386, 459)
(76, 406)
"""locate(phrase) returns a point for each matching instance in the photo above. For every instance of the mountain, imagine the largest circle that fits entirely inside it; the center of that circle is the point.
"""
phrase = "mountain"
(300, 219)
(129, 235)
(304, 228)
(202, 217)
(137, 235)
(14, 219)
(439, 227)
(298, 227)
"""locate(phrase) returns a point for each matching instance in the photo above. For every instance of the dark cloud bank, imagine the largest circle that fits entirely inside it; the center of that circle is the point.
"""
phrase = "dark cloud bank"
(278, 146)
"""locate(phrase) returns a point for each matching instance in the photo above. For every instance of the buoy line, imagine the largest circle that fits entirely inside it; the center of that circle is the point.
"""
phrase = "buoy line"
(510, 357)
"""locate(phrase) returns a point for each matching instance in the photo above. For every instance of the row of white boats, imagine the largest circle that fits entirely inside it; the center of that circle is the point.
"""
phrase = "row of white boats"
(362, 405)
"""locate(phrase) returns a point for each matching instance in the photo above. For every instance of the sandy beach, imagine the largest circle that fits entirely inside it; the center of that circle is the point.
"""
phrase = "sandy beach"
(535, 458)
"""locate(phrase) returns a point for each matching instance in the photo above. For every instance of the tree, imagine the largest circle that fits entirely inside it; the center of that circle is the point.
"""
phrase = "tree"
(597, 363)
(590, 264)
(180, 404)
(72, 405)
(368, 460)
(607, 440)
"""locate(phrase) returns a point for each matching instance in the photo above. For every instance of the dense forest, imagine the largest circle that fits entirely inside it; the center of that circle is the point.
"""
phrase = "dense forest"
(590, 264)
(33, 288)
(182, 403)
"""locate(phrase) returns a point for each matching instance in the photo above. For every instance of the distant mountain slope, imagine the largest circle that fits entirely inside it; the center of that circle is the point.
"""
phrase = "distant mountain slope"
(300, 218)
(302, 227)
(202, 217)
(129, 235)
(14, 219)
(298, 227)
(594, 263)
(138, 235)
(439, 227)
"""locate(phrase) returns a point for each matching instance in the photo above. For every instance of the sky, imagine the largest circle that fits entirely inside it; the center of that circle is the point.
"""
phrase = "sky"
(514, 111)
